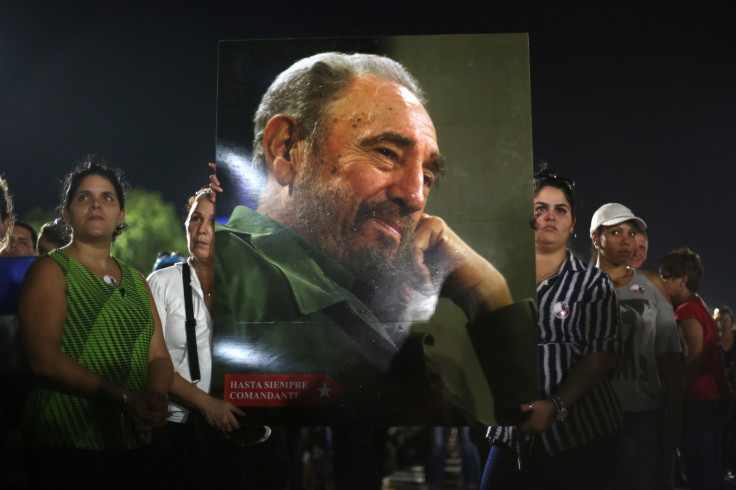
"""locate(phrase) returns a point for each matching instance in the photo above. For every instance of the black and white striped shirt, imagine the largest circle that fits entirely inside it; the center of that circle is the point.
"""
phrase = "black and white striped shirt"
(578, 315)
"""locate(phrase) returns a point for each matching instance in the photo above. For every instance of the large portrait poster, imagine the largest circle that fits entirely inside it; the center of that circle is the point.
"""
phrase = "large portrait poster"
(375, 262)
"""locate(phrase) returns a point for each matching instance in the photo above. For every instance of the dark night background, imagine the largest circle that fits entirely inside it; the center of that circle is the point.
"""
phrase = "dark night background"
(636, 105)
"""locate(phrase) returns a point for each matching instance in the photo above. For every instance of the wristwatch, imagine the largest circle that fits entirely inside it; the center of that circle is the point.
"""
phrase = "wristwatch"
(561, 414)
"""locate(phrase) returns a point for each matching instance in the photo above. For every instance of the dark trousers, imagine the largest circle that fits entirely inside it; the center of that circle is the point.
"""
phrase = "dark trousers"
(193, 455)
(700, 446)
(84, 469)
(640, 462)
(357, 455)
(589, 466)
(469, 464)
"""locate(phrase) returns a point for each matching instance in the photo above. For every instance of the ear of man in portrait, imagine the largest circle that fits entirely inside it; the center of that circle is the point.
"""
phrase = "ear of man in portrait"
(325, 277)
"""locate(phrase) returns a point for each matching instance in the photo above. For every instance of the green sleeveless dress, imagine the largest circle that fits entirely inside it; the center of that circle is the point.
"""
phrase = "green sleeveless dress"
(108, 329)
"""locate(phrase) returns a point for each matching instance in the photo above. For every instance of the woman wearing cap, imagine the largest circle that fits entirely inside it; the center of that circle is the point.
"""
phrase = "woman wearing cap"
(648, 376)
(567, 440)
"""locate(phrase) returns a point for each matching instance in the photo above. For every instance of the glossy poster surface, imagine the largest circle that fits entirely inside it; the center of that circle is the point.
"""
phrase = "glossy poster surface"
(377, 265)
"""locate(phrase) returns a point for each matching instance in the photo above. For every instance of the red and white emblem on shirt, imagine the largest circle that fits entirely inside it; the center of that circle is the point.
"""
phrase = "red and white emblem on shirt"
(560, 309)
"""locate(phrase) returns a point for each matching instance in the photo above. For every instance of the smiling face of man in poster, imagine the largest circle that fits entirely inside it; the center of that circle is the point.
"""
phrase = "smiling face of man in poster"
(359, 196)
(316, 290)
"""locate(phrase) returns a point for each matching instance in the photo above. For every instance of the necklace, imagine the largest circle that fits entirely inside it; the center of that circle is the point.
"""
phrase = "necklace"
(543, 275)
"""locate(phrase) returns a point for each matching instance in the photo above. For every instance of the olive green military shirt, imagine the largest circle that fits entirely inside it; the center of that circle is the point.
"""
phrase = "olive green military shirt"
(284, 307)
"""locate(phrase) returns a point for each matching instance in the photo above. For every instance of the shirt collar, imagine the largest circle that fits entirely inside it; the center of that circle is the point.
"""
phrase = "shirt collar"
(570, 264)
(314, 277)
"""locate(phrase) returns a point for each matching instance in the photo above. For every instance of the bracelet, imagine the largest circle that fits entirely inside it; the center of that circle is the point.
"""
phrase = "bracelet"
(559, 406)
(560, 409)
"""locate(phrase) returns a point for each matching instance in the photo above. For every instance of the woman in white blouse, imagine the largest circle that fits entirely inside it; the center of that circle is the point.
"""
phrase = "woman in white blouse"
(168, 292)
(190, 399)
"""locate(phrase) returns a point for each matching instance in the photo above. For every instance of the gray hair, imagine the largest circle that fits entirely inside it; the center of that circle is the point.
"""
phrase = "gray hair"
(303, 91)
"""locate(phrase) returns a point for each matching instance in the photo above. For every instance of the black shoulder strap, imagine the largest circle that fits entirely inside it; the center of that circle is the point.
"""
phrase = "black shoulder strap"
(190, 324)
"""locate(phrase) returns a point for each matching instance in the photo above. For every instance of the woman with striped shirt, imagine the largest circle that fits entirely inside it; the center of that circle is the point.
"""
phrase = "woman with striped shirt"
(566, 440)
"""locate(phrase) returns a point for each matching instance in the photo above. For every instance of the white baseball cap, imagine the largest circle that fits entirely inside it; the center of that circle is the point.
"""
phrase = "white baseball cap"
(614, 213)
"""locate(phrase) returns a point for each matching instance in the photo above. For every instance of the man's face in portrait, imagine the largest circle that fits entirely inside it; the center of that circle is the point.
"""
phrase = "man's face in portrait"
(363, 192)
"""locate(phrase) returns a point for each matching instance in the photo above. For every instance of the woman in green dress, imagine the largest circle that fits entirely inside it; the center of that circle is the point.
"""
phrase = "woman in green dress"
(95, 347)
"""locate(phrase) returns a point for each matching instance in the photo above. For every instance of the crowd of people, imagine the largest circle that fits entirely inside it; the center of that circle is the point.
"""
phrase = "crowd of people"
(635, 375)
(659, 362)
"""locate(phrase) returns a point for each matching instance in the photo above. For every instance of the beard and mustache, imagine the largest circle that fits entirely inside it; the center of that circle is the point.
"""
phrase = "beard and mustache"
(320, 217)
